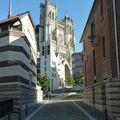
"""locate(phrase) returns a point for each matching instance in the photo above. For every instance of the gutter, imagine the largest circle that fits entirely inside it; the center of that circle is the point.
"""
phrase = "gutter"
(116, 37)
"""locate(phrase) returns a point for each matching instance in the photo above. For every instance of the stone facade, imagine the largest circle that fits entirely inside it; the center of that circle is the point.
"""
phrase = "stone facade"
(77, 63)
(100, 59)
(56, 40)
(18, 60)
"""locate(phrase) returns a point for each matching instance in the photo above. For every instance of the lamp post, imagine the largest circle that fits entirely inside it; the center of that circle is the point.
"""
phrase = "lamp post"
(91, 38)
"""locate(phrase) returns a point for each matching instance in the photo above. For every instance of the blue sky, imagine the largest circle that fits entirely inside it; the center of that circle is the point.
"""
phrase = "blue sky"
(78, 10)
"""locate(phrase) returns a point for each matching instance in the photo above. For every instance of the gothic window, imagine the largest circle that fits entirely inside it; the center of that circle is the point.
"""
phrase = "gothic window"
(50, 14)
(70, 30)
(43, 51)
(94, 65)
(53, 35)
(101, 7)
(53, 16)
(45, 69)
(67, 29)
(103, 44)
(48, 49)
(60, 37)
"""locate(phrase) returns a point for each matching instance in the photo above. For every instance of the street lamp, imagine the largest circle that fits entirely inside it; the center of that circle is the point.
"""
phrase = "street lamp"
(91, 38)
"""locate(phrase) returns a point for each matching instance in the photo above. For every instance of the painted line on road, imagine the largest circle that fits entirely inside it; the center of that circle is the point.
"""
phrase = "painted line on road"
(32, 114)
(86, 113)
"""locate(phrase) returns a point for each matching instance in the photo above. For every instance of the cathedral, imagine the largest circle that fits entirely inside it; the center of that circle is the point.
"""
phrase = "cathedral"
(56, 45)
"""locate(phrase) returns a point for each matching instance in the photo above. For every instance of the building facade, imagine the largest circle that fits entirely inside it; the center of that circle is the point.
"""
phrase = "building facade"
(18, 60)
(101, 39)
(56, 41)
(77, 64)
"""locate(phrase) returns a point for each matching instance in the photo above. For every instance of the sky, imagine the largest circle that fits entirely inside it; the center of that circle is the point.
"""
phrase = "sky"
(78, 10)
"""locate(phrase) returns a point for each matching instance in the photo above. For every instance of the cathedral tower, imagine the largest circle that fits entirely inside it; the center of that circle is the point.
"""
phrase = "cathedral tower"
(56, 40)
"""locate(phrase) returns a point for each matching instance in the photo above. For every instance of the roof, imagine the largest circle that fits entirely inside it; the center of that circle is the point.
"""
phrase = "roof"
(89, 18)
(17, 17)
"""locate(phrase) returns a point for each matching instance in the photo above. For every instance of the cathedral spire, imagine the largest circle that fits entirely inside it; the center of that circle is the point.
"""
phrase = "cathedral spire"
(47, 1)
(10, 9)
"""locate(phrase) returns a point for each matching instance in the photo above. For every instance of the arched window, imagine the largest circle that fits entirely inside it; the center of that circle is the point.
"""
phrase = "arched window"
(53, 16)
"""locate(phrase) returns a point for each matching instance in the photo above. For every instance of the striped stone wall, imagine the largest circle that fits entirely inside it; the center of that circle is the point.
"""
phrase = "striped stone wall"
(21, 94)
(113, 97)
(104, 95)
(18, 61)
(88, 96)
(100, 98)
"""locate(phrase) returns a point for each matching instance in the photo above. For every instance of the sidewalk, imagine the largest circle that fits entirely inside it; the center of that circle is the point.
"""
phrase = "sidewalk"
(92, 111)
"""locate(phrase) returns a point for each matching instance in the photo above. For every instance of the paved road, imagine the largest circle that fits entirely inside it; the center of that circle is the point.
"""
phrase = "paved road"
(60, 110)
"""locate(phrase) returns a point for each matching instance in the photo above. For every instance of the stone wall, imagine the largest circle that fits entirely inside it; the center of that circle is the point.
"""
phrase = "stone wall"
(113, 97)
(88, 96)
(99, 93)
(104, 95)
(21, 94)
(39, 94)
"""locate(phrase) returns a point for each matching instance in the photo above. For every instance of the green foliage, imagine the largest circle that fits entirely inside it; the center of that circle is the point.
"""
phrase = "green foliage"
(70, 81)
(79, 79)
(43, 81)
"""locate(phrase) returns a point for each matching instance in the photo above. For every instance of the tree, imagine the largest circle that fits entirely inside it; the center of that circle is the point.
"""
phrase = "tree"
(70, 81)
(79, 79)
(44, 82)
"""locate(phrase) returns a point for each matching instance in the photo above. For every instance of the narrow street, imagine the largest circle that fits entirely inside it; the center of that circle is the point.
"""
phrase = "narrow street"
(61, 109)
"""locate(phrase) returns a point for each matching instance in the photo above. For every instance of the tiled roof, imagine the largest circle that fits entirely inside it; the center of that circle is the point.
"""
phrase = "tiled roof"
(12, 18)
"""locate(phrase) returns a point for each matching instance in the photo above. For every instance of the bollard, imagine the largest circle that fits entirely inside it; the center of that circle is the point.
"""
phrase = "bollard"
(19, 113)
(26, 111)
(9, 116)
(106, 115)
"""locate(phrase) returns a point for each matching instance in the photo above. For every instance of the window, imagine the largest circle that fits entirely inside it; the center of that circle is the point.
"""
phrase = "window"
(48, 49)
(53, 69)
(70, 30)
(50, 14)
(53, 75)
(45, 62)
(38, 60)
(101, 7)
(4, 27)
(42, 34)
(38, 71)
(94, 65)
(103, 45)
(43, 51)
(92, 29)
(45, 69)
(53, 16)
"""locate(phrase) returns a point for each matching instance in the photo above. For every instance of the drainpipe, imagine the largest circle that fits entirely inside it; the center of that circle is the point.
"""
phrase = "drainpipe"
(116, 37)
